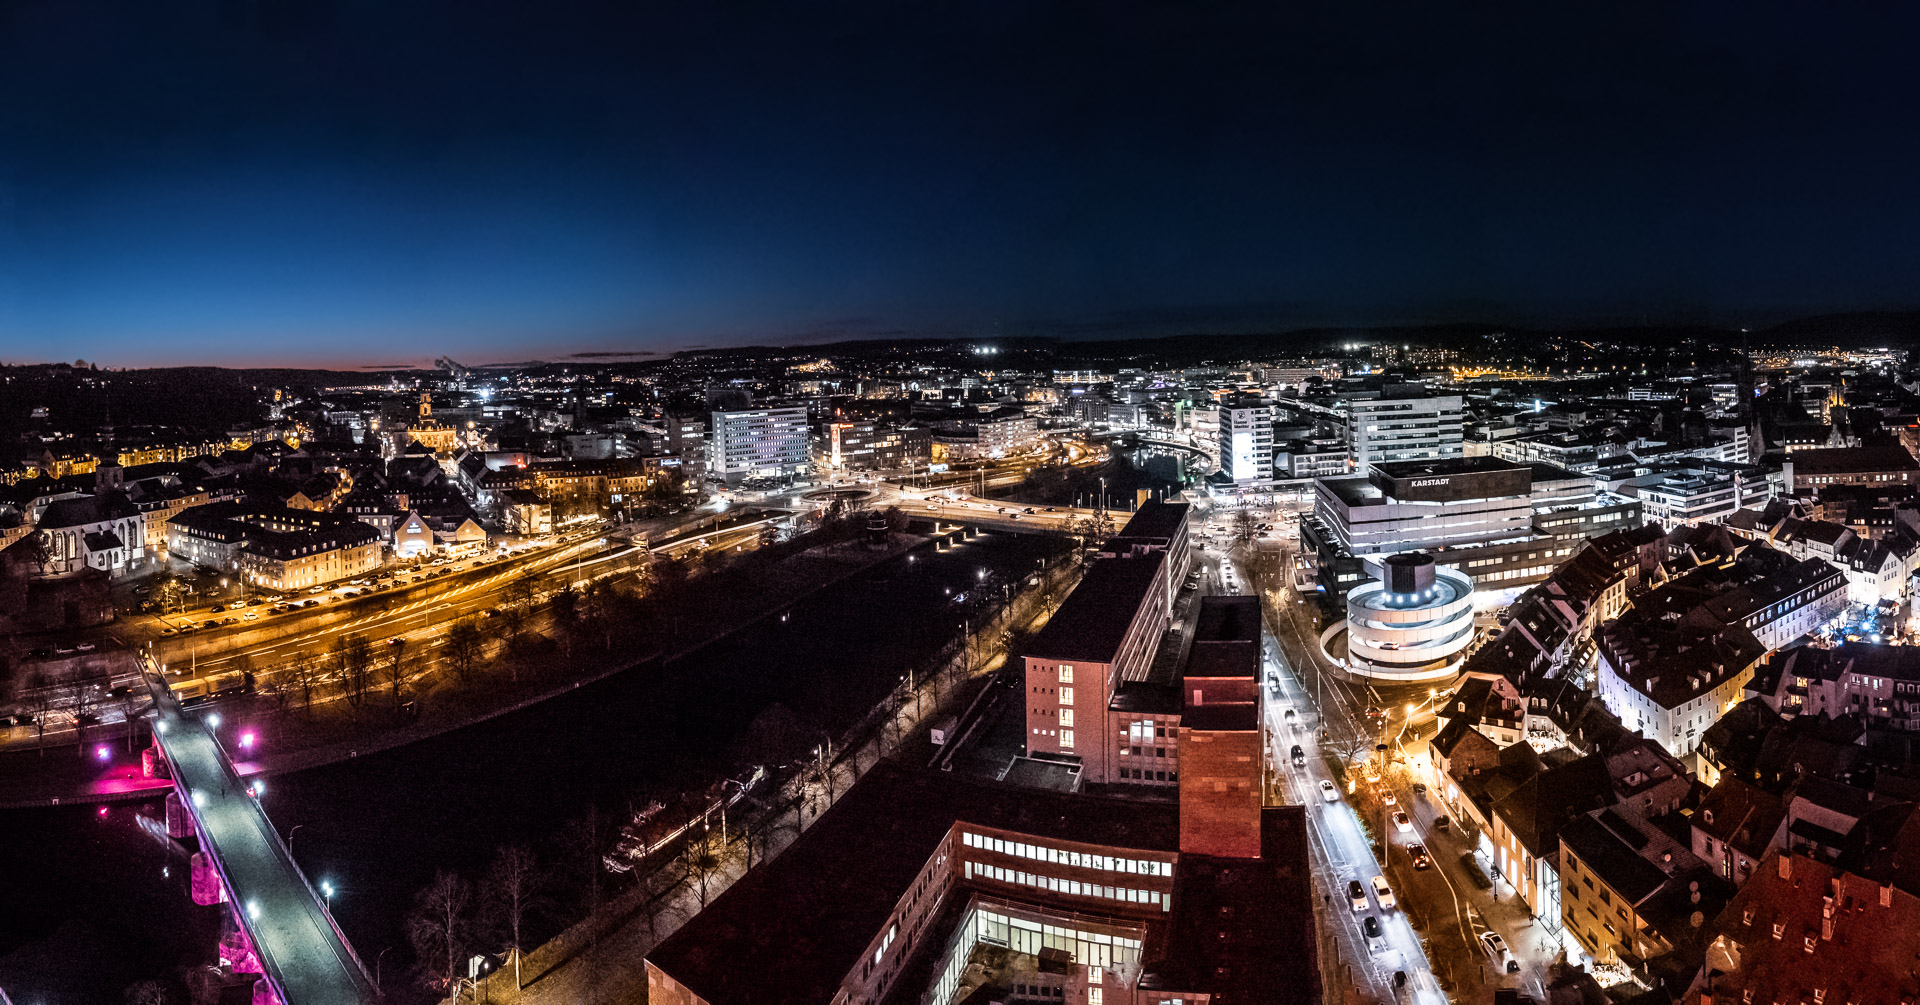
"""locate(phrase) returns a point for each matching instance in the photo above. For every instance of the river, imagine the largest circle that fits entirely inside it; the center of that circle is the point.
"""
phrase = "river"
(376, 828)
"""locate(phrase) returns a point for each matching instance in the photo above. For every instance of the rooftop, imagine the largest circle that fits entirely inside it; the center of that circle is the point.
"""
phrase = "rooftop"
(817, 905)
(1093, 620)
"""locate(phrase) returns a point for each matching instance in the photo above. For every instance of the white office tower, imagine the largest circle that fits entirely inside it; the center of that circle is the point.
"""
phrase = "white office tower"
(1408, 428)
(763, 444)
(1246, 438)
(1414, 624)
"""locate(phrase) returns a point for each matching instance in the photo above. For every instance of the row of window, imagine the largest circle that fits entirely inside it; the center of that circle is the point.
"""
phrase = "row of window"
(1072, 887)
(1059, 856)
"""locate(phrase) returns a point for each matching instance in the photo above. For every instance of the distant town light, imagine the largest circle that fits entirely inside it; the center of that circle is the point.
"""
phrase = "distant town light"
(101, 751)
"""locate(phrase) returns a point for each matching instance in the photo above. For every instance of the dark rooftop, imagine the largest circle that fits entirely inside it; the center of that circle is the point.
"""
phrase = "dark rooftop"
(1155, 520)
(1092, 622)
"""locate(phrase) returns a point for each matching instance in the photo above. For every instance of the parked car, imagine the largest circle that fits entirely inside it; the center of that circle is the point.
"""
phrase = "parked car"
(216, 609)
(1356, 895)
(85, 647)
(1441, 823)
(253, 616)
(255, 602)
(1418, 853)
(1370, 927)
(1384, 894)
(1401, 823)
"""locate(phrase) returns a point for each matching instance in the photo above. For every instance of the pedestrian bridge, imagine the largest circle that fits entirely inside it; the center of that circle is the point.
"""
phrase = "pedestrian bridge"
(302, 953)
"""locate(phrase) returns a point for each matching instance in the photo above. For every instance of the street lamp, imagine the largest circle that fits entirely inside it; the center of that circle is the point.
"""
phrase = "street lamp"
(326, 893)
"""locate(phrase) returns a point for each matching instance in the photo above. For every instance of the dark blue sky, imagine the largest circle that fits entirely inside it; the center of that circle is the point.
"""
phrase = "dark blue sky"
(307, 181)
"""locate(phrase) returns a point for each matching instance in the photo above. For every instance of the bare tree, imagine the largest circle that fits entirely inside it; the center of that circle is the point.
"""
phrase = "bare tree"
(396, 665)
(439, 927)
(701, 858)
(146, 993)
(354, 658)
(465, 647)
(514, 885)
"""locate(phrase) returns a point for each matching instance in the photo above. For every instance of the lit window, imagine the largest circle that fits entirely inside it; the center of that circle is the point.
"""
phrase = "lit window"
(1066, 673)
(1066, 696)
(1066, 738)
(1066, 717)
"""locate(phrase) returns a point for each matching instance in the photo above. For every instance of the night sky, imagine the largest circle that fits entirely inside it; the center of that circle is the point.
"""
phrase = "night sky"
(354, 183)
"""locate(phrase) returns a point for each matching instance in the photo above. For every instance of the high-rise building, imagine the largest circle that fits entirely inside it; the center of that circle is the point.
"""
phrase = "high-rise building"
(1403, 426)
(1246, 438)
(758, 444)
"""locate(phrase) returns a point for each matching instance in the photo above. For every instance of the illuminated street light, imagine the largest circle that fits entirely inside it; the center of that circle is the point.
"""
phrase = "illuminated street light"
(213, 721)
(246, 740)
(101, 752)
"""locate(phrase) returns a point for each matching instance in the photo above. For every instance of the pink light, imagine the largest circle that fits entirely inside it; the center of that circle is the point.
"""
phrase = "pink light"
(103, 811)
(101, 752)
(246, 740)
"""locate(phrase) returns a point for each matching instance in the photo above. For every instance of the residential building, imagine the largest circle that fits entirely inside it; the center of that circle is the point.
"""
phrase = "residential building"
(1815, 468)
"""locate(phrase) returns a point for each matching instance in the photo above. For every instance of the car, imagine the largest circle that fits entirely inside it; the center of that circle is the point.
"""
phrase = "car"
(1418, 853)
(85, 647)
(166, 631)
(1356, 895)
(1441, 823)
(1384, 894)
(64, 650)
(229, 621)
(187, 629)
(1496, 948)
(23, 719)
(318, 589)
(491, 612)
(216, 609)
(1386, 796)
(1370, 927)
(1328, 792)
(1419, 788)
(1401, 823)
(86, 719)
(1300, 757)
(255, 602)
(253, 616)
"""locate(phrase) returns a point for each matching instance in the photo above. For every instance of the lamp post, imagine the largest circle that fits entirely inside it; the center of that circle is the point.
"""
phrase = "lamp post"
(290, 834)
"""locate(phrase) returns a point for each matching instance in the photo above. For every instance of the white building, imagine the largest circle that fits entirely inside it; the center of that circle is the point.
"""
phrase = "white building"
(1246, 438)
(1688, 498)
(1414, 624)
(1671, 681)
(758, 443)
(1425, 428)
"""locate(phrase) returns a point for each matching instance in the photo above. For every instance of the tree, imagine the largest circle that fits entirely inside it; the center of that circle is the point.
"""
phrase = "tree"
(597, 605)
(397, 665)
(701, 858)
(354, 658)
(566, 605)
(146, 993)
(465, 647)
(583, 844)
(439, 927)
(1244, 526)
(514, 885)
(301, 677)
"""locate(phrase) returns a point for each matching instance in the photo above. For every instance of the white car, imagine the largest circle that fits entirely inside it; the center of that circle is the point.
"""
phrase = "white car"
(1401, 823)
(1383, 893)
(1328, 792)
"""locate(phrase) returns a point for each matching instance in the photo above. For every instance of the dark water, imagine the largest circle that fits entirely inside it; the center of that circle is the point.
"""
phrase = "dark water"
(1126, 471)
(378, 827)
(92, 903)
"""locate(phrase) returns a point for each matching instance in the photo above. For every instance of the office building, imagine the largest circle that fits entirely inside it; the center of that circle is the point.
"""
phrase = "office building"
(758, 445)
(1398, 426)
(1246, 438)
(1503, 524)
